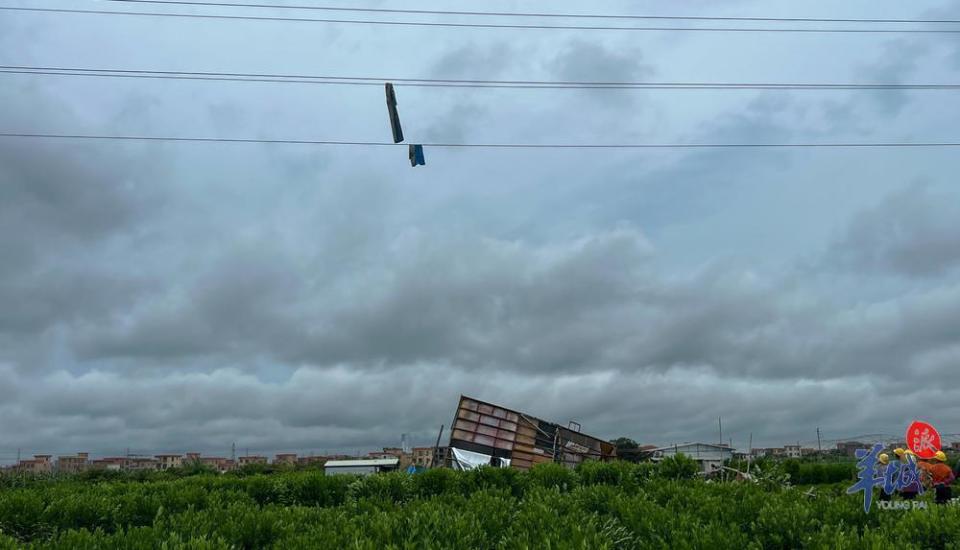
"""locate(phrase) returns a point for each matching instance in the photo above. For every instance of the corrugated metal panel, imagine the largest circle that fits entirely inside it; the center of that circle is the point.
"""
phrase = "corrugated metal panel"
(498, 431)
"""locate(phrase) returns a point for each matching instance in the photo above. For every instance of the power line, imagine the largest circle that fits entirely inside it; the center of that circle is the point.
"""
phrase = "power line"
(539, 15)
(454, 83)
(487, 145)
(479, 25)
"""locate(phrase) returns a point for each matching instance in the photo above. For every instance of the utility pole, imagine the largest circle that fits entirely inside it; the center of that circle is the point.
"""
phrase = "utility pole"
(233, 452)
(18, 456)
(819, 447)
(436, 449)
(720, 423)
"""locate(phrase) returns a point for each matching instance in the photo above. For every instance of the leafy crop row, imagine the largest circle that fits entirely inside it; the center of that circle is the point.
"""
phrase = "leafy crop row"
(615, 505)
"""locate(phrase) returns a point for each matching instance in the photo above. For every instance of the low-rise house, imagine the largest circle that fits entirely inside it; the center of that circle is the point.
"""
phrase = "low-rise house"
(39, 464)
(849, 448)
(222, 465)
(167, 462)
(422, 457)
(710, 457)
(139, 464)
(73, 464)
(311, 460)
(406, 459)
(249, 460)
(362, 466)
(108, 463)
(285, 459)
(792, 451)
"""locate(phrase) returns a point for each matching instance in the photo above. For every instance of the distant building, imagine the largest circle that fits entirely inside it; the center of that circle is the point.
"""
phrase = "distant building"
(223, 465)
(362, 466)
(422, 457)
(441, 457)
(955, 446)
(406, 459)
(807, 451)
(849, 448)
(192, 457)
(139, 464)
(711, 457)
(285, 459)
(39, 464)
(311, 460)
(250, 460)
(167, 462)
(111, 463)
(792, 451)
(73, 464)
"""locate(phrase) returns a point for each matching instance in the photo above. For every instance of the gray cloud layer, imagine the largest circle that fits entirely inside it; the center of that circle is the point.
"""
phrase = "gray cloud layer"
(175, 297)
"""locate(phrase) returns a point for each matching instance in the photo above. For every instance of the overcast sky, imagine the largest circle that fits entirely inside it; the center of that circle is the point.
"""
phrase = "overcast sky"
(172, 297)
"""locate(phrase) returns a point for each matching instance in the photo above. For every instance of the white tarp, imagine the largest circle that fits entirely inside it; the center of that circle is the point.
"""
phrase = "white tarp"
(469, 460)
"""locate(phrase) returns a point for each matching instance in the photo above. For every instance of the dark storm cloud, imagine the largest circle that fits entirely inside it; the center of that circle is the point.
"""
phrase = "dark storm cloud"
(184, 297)
(467, 61)
(913, 233)
(63, 206)
(583, 61)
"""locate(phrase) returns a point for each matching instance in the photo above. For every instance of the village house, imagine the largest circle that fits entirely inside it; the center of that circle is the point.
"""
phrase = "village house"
(167, 462)
(222, 465)
(73, 464)
(250, 460)
(39, 464)
(422, 457)
(285, 459)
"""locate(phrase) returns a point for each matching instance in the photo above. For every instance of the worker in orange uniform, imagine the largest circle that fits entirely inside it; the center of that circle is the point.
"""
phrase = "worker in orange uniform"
(910, 491)
(884, 460)
(941, 476)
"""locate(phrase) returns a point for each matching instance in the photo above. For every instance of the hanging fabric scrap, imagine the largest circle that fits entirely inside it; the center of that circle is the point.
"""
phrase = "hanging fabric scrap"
(394, 115)
(416, 156)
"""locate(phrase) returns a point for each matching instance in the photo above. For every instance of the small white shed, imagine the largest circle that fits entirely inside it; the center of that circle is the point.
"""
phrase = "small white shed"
(361, 466)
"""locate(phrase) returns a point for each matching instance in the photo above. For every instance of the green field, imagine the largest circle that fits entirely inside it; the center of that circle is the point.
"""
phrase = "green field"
(598, 506)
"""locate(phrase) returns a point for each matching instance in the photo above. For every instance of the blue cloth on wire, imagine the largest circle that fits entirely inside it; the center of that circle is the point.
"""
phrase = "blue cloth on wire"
(416, 156)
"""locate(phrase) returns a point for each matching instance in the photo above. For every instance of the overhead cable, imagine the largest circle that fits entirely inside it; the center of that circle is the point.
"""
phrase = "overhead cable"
(457, 83)
(482, 25)
(539, 15)
(829, 145)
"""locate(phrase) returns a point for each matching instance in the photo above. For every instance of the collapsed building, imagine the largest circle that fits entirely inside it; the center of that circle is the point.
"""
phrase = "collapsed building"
(487, 434)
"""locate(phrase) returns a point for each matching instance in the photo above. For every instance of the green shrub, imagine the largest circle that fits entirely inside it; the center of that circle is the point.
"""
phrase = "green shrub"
(600, 505)
(552, 475)
(678, 466)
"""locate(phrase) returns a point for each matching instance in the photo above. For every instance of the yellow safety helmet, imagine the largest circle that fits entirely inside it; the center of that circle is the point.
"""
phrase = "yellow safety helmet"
(898, 451)
(884, 458)
(941, 456)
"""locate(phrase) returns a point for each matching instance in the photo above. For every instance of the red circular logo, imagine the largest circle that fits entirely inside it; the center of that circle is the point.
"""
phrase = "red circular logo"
(923, 439)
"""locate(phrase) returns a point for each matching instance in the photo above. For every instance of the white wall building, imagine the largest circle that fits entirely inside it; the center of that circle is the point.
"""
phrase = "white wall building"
(710, 457)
